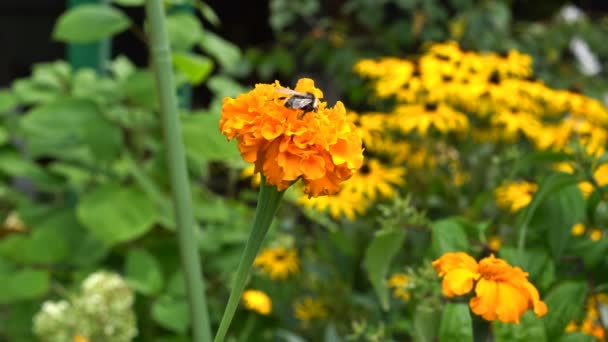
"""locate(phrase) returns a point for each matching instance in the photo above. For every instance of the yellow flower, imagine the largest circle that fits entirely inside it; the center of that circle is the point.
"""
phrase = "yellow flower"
(515, 195)
(571, 327)
(257, 301)
(494, 242)
(322, 148)
(80, 338)
(278, 262)
(595, 234)
(398, 282)
(375, 180)
(601, 177)
(421, 117)
(348, 202)
(577, 229)
(308, 309)
(502, 291)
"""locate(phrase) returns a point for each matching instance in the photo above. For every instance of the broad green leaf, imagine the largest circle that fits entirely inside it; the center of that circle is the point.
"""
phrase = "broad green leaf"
(23, 285)
(530, 328)
(184, 30)
(44, 245)
(203, 139)
(17, 326)
(550, 184)
(142, 271)
(456, 324)
(556, 215)
(13, 164)
(90, 22)
(171, 313)
(535, 158)
(8, 101)
(227, 54)
(381, 250)
(71, 128)
(448, 236)
(115, 214)
(224, 86)
(139, 87)
(426, 324)
(196, 68)
(565, 301)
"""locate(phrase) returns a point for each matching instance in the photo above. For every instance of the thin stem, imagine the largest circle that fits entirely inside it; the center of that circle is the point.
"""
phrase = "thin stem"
(161, 55)
(268, 202)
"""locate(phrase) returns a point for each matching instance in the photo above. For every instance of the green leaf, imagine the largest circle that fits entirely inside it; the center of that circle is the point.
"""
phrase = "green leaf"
(530, 328)
(71, 128)
(448, 235)
(89, 23)
(171, 313)
(23, 285)
(129, 3)
(203, 140)
(577, 337)
(140, 89)
(565, 302)
(381, 250)
(115, 214)
(426, 324)
(208, 13)
(196, 68)
(184, 30)
(224, 86)
(456, 324)
(142, 271)
(556, 215)
(8, 101)
(549, 184)
(226, 53)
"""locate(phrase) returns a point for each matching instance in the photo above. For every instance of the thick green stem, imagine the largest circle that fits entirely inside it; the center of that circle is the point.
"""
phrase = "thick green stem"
(176, 160)
(268, 202)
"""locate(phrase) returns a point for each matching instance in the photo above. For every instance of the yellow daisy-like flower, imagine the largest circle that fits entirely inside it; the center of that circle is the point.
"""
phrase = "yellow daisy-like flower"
(308, 309)
(595, 234)
(278, 263)
(420, 117)
(601, 177)
(515, 195)
(494, 242)
(322, 148)
(398, 282)
(348, 202)
(577, 229)
(257, 301)
(502, 292)
(375, 180)
(80, 338)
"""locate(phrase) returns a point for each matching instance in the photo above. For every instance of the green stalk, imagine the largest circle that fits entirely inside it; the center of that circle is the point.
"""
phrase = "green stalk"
(182, 198)
(268, 202)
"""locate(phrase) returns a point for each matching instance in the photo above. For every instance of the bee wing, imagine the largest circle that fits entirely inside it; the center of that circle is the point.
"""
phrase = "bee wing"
(288, 91)
(300, 102)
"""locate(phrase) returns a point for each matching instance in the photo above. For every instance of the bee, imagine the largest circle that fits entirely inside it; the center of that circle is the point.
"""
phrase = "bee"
(307, 102)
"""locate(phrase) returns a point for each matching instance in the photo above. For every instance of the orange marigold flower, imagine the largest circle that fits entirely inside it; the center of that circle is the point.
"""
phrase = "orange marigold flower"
(322, 148)
(502, 291)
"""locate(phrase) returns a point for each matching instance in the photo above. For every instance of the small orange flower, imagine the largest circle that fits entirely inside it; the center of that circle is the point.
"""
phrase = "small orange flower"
(502, 291)
(322, 148)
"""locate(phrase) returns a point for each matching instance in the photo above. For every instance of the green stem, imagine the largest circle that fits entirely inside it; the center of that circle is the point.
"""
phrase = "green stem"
(161, 55)
(268, 202)
(249, 325)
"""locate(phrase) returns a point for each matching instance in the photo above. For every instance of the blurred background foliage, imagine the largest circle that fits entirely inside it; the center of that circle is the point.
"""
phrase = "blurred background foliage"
(84, 186)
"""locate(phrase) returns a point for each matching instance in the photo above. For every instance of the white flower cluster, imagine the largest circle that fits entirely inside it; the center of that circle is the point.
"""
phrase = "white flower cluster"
(102, 312)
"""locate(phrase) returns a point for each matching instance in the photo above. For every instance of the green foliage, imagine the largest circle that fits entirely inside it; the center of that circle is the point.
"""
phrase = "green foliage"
(380, 251)
(89, 23)
(456, 323)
